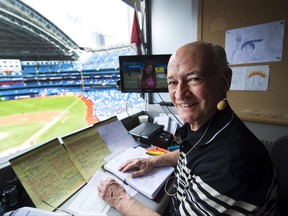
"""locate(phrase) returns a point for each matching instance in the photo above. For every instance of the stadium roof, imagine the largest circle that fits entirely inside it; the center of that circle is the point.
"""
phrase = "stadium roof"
(27, 35)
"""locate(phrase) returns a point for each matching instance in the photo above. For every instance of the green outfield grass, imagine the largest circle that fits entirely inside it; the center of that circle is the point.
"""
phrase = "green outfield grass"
(48, 118)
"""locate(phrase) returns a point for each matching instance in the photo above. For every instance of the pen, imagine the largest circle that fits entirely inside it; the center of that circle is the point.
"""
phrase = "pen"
(172, 148)
(158, 148)
(155, 153)
(162, 149)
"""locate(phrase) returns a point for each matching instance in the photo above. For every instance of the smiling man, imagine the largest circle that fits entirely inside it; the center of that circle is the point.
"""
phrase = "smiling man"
(221, 167)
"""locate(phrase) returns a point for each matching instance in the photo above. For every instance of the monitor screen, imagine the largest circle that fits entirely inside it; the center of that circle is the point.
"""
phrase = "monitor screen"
(143, 73)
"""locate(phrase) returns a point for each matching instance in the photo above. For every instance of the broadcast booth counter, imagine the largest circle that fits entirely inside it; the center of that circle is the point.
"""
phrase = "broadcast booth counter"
(72, 187)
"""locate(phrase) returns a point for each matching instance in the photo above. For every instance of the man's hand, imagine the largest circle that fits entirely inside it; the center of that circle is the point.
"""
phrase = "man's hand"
(111, 191)
(138, 167)
(116, 196)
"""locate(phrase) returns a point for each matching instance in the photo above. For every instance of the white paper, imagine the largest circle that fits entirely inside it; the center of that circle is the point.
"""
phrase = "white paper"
(29, 211)
(254, 78)
(116, 136)
(118, 160)
(89, 203)
(162, 120)
(258, 43)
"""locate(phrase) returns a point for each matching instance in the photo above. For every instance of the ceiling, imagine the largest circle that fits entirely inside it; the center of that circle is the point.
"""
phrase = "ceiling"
(26, 35)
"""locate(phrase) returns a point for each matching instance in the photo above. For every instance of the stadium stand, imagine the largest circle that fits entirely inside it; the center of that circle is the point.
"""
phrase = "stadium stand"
(50, 64)
(96, 79)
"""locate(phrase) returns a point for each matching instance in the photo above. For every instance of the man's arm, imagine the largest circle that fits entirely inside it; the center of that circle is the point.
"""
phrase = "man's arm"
(169, 159)
(129, 206)
(110, 191)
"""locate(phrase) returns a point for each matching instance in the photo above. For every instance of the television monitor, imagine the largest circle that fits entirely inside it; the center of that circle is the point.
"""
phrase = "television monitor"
(143, 73)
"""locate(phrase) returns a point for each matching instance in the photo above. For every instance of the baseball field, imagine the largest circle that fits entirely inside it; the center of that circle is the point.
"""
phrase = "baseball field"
(27, 122)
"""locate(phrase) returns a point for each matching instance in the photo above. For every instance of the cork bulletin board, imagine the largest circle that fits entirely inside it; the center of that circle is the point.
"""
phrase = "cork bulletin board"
(216, 17)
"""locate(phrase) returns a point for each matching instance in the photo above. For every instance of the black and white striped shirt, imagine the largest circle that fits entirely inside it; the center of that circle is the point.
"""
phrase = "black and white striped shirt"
(229, 172)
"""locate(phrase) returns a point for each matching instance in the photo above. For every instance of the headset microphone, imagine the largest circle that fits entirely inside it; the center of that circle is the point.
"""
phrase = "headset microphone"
(222, 104)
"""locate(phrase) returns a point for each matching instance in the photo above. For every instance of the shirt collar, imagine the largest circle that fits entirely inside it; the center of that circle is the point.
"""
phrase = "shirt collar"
(218, 123)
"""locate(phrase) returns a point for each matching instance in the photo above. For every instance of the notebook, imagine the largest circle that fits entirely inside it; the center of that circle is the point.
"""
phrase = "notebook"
(149, 184)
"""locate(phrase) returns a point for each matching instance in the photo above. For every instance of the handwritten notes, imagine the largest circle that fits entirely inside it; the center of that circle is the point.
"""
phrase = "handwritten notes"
(88, 150)
(48, 174)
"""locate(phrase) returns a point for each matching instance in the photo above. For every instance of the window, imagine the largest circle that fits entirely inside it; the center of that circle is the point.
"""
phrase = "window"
(51, 98)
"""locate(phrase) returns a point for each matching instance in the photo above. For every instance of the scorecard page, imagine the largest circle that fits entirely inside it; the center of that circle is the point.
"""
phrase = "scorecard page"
(48, 175)
(87, 150)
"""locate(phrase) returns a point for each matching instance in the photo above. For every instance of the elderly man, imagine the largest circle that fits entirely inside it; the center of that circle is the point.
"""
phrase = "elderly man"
(221, 167)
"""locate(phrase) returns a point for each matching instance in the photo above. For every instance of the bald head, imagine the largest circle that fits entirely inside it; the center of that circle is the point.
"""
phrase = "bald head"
(213, 54)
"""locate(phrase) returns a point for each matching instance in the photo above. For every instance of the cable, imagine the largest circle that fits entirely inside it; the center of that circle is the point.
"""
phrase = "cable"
(126, 104)
(180, 122)
(161, 107)
(126, 108)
